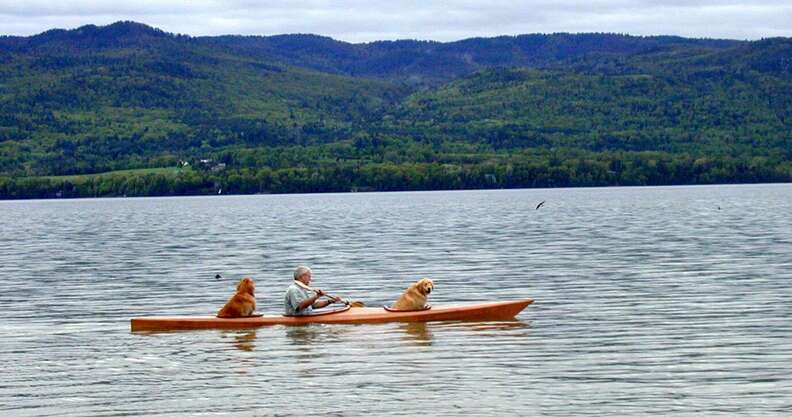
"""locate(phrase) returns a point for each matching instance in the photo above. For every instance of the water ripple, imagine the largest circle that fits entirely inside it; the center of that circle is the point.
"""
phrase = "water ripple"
(665, 301)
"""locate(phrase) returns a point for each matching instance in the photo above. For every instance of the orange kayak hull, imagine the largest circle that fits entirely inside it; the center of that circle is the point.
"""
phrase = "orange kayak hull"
(503, 310)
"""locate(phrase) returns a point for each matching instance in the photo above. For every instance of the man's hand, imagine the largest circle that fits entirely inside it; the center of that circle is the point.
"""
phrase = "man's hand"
(319, 292)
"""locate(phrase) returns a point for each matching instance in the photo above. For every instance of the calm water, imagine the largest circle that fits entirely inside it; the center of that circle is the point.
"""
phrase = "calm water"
(665, 301)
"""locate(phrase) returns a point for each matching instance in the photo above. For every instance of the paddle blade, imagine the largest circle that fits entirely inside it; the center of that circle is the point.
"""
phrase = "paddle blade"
(356, 304)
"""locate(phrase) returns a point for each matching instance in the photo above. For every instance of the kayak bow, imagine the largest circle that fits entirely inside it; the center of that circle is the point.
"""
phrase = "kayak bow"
(503, 310)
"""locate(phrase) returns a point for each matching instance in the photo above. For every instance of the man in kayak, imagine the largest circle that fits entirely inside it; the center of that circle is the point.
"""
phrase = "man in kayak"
(301, 299)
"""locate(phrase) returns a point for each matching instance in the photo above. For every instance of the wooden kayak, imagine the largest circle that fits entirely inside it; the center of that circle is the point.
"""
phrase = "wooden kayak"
(503, 310)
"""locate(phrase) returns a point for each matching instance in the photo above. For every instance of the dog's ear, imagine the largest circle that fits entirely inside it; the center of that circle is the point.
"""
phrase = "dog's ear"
(246, 285)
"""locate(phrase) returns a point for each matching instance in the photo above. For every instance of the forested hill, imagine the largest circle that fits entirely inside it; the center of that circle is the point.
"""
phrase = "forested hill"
(172, 114)
(424, 62)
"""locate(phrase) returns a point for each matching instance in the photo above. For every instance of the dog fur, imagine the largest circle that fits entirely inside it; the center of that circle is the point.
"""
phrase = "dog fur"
(414, 298)
(241, 304)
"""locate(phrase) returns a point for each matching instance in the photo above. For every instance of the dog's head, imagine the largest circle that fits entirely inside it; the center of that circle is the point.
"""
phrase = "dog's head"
(425, 286)
(246, 285)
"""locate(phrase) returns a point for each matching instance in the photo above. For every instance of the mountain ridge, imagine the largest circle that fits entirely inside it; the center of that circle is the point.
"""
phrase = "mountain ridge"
(422, 62)
(131, 27)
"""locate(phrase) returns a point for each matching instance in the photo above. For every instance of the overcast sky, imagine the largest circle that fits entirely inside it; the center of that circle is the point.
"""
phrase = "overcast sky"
(442, 20)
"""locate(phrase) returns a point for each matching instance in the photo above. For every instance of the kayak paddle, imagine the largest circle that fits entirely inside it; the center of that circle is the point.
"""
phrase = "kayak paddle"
(354, 303)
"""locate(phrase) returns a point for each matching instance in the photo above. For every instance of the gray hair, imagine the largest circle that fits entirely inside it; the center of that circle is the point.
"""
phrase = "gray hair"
(300, 271)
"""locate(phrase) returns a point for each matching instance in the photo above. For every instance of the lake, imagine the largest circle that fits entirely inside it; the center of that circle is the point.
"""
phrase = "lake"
(649, 301)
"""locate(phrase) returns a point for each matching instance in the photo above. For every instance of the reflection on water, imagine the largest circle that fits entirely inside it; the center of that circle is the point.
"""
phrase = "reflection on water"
(305, 335)
(245, 341)
(319, 333)
(494, 327)
(418, 333)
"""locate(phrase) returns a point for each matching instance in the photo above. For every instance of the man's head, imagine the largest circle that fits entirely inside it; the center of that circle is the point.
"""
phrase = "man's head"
(303, 274)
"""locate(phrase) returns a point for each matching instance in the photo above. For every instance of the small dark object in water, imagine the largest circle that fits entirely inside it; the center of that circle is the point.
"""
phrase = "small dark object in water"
(540, 205)
(217, 276)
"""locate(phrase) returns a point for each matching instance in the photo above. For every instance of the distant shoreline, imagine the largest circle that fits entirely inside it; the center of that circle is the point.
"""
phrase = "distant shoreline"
(114, 197)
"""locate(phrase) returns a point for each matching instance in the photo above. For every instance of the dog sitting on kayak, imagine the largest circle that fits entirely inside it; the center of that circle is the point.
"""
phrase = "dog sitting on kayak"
(414, 298)
(241, 304)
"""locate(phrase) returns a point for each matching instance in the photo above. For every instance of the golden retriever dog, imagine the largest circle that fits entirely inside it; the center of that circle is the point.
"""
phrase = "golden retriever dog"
(415, 296)
(241, 304)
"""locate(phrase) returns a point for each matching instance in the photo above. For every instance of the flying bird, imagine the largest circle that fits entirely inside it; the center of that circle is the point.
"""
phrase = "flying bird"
(540, 205)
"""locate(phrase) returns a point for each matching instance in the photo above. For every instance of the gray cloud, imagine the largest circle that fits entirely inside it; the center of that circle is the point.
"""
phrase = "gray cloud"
(361, 21)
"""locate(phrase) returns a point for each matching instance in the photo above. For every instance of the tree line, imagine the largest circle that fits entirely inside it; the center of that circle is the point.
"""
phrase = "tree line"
(570, 169)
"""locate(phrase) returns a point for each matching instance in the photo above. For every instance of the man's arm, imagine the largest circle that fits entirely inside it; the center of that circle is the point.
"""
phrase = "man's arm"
(323, 303)
(312, 301)
(308, 302)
